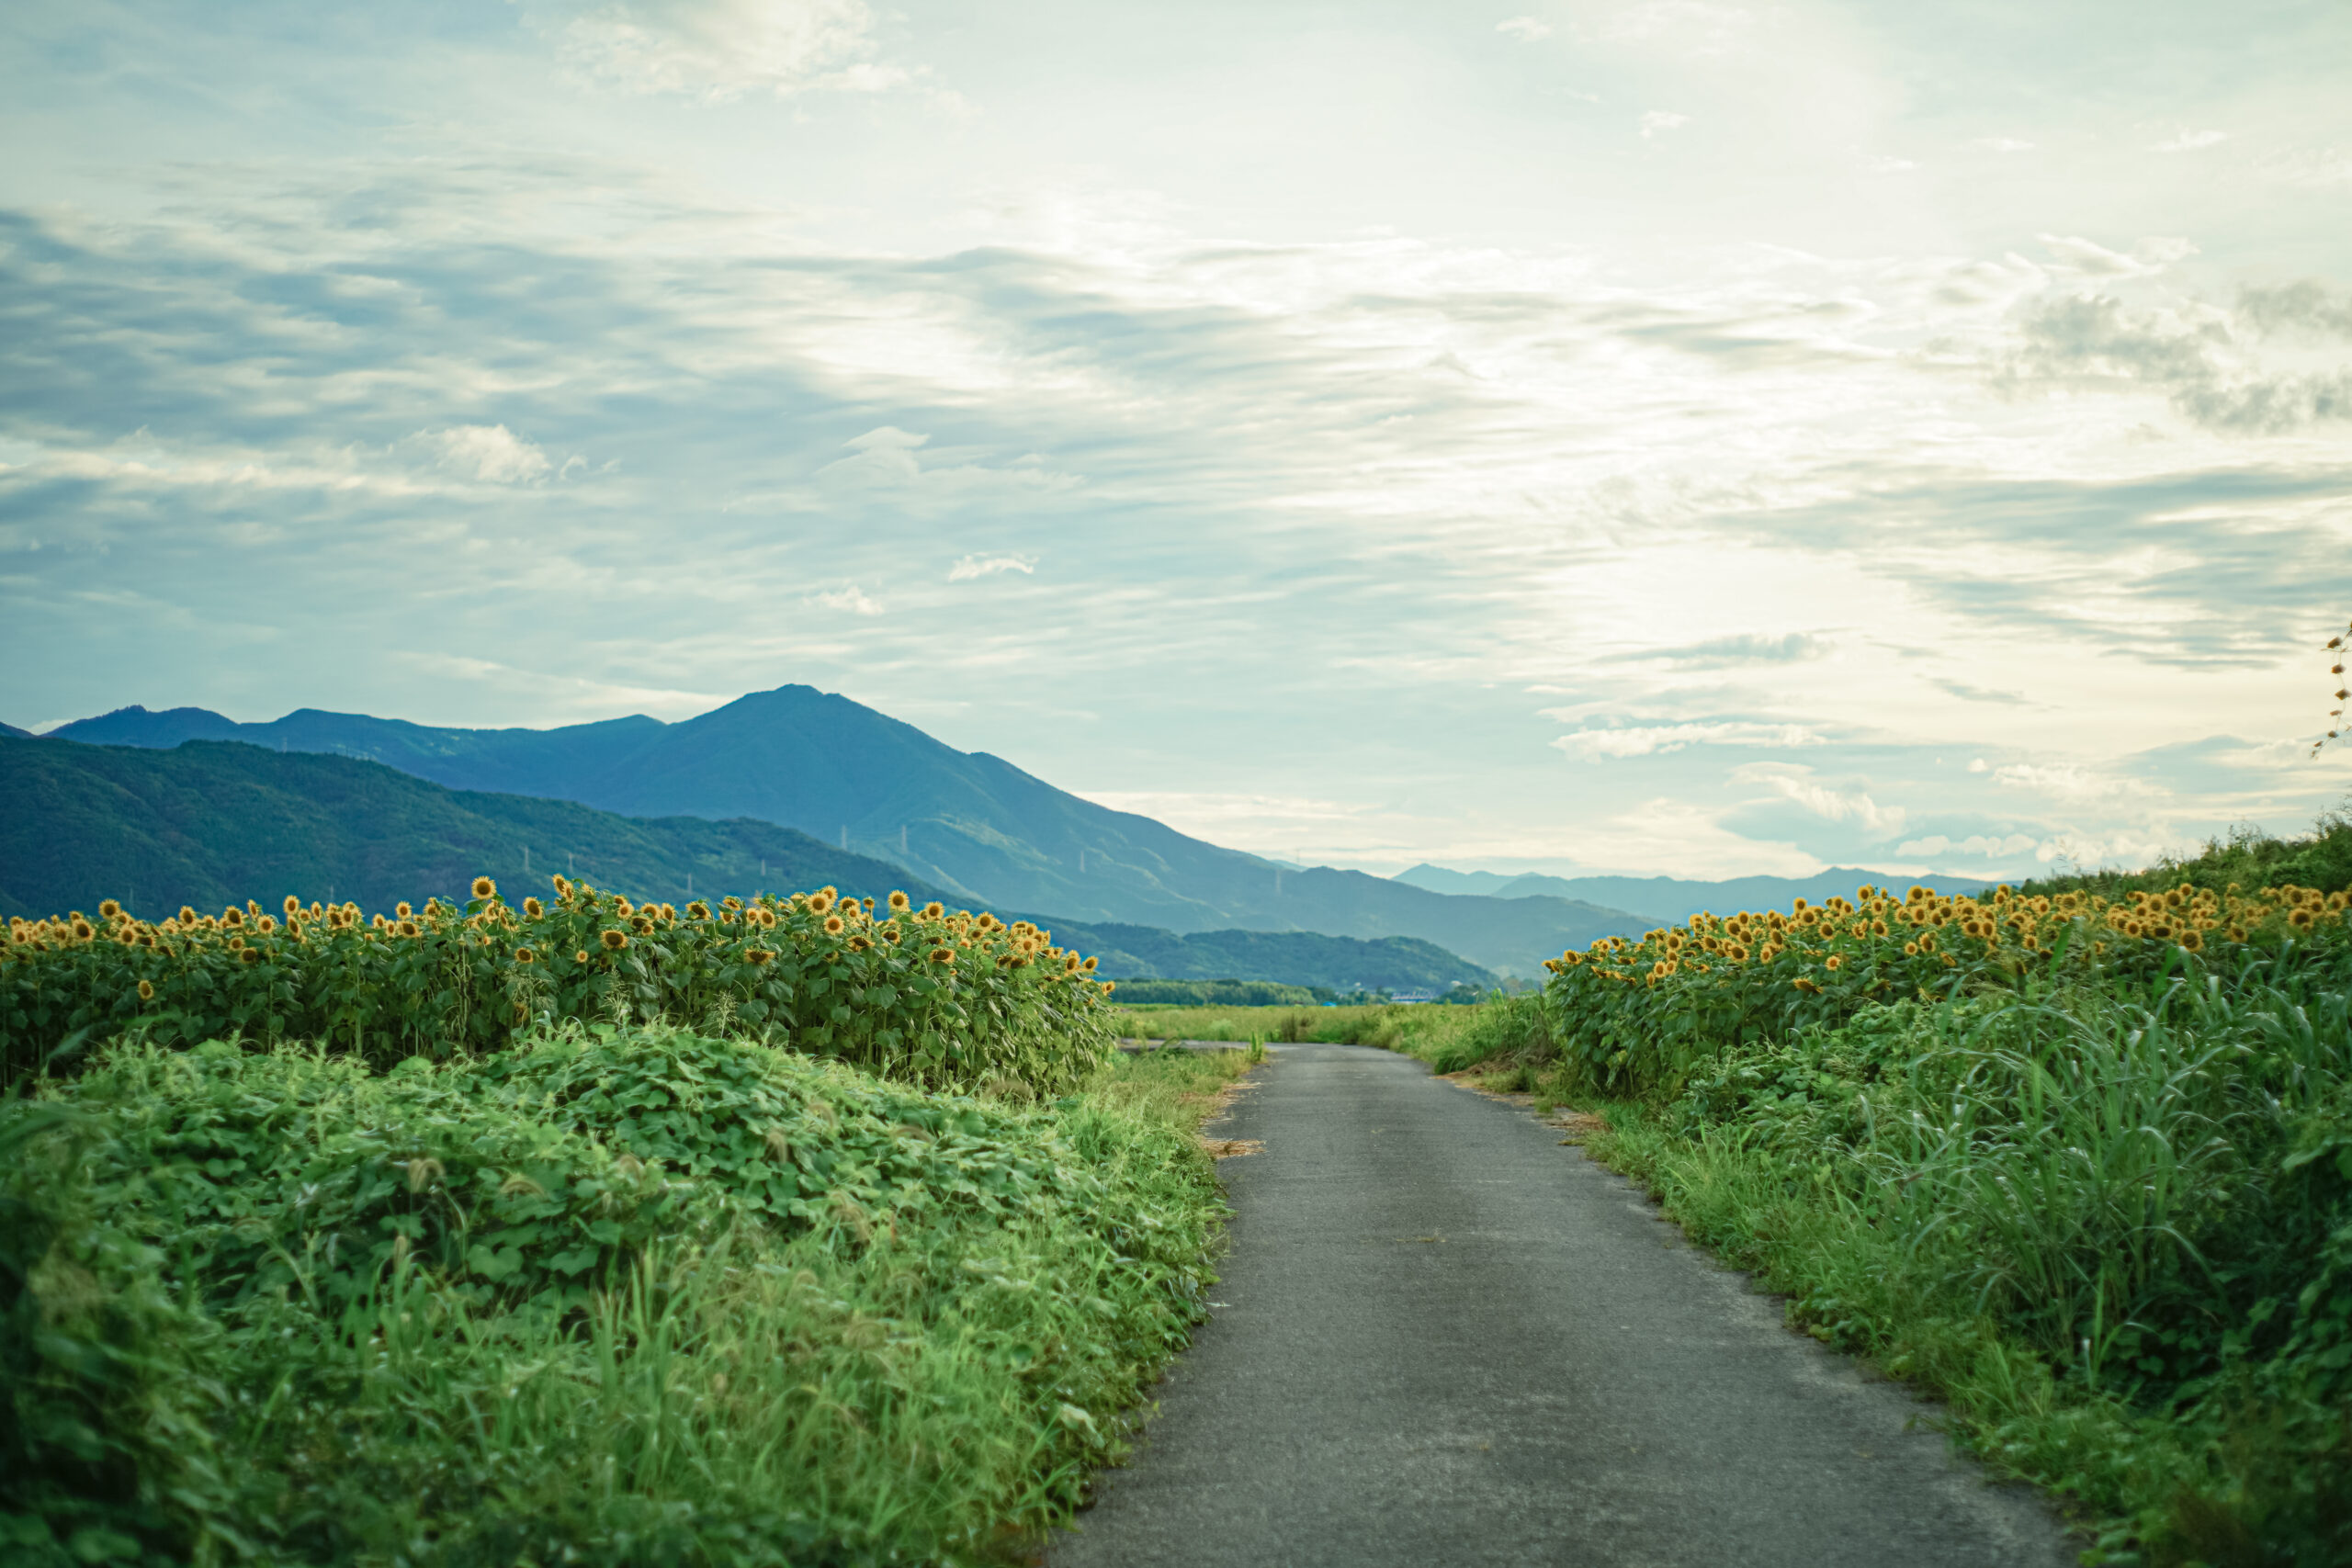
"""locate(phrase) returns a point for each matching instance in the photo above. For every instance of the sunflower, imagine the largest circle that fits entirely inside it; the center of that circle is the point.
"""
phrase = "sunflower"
(614, 939)
(898, 903)
(108, 909)
(146, 990)
(292, 906)
(485, 888)
(524, 956)
(819, 902)
(250, 954)
(1833, 962)
(233, 916)
(943, 955)
(933, 909)
(533, 908)
(84, 930)
(266, 924)
(580, 957)
(640, 925)
(2302, 919)
(834, 925)
(408, 928)
(758, 955)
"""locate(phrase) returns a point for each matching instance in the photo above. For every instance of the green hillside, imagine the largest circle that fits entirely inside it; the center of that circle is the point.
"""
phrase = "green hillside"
(969, 822)
(213, 823)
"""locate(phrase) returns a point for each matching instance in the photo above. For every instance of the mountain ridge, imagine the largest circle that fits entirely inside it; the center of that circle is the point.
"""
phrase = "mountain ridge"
(969, 822)
(212, 823)
(1666, 900)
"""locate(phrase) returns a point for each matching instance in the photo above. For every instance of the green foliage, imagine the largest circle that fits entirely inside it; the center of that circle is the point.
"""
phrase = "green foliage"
(621, 1295)
(2112, 1222)
(1639, 1018)
(948, 999)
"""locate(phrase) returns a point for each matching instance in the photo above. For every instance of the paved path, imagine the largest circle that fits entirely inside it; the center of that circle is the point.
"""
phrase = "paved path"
(1446, 1340)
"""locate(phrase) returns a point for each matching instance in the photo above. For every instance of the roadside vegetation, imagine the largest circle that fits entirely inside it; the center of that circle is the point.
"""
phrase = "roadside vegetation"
(701, 1287)
(2076, 1157)
(948, 998)
(1451, 1037)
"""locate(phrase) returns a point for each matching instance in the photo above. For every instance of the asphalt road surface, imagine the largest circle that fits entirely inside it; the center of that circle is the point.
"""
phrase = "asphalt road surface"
(1447, 1340)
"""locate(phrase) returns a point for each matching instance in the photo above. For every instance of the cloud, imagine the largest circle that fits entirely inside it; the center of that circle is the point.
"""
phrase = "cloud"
(1526, 30)
(2188, 351)
(491, 453)
(851, 599)
(2308, 306)
(1656, 121)
(1651, 741)
(1977, 846)
(717, 49)
(1747, 648)
(971, 566)
(1969, 693)
(1796, 783)
(2002, 144)
(2069, 781)
(2191, 142)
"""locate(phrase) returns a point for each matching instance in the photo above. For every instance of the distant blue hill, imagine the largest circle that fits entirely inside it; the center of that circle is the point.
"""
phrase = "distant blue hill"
(967, 823)
(1666, 900)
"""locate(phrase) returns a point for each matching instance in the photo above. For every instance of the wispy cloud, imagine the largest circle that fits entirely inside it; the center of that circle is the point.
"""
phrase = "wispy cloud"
(853, 599)
(1657, 122)
(1651, 741)
(1526, 30)
(719, 49)
(970, 567)
(2191, 142)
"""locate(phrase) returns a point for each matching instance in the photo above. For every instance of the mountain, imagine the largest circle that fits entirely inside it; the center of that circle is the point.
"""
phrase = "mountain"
(1662, 900)
(969, 822)
(1292, 958)
(11, 732)
(213, 824)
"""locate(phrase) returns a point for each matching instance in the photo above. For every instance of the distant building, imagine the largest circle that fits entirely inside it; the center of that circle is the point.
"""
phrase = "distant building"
(1404, 997)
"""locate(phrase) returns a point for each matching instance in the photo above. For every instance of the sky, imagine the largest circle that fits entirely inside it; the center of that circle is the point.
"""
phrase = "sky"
(1655, 436)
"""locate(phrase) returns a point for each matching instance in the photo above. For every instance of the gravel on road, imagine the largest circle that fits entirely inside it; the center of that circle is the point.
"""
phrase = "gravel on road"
(1444, 1338)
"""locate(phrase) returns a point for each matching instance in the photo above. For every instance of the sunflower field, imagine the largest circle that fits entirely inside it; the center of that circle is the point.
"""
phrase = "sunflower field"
(1637, 1016)
(947, 1000)
(2077, 1159)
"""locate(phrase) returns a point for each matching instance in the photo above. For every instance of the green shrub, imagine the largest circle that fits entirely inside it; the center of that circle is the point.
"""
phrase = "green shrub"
(626, 1295)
